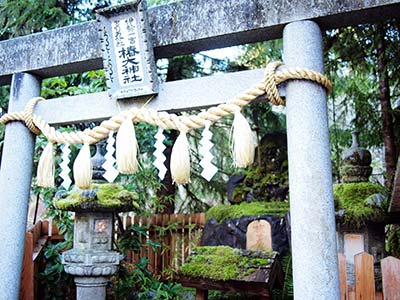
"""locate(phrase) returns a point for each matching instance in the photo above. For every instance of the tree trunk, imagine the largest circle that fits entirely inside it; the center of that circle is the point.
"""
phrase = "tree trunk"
(166, 194)
(386, 108)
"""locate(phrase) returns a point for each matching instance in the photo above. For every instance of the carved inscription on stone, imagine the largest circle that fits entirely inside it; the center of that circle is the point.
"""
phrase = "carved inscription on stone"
(102, 226)
(258, 236)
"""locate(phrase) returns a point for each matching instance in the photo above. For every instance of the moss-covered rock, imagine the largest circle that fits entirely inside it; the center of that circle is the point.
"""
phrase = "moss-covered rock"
(222, 212)
(361, 201)
(225, 263)
(100, 197)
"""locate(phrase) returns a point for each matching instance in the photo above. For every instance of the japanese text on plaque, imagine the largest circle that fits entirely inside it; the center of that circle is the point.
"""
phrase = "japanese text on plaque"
(127, 51)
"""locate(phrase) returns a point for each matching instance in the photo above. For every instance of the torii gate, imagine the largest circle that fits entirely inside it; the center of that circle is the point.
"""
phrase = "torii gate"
(179, 28)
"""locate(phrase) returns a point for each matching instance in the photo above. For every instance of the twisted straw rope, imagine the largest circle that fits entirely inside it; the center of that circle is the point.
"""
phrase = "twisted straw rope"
(268, 86)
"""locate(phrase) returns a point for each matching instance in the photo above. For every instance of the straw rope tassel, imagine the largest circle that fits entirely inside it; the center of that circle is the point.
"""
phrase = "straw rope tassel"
(242, 141)
(180, 160)
(83, 168)
(127, 148)
(45, 170)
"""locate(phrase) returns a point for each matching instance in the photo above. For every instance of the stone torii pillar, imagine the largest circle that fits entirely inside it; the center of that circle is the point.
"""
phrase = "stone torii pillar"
(15, 187)
(315, 268)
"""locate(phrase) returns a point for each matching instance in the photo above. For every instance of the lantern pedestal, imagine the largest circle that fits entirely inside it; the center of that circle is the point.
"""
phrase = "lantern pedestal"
(91, 287)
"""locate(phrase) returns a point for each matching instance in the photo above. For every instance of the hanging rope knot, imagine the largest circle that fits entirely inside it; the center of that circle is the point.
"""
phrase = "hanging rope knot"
(28, 115)
(271, 85)
(273, 77)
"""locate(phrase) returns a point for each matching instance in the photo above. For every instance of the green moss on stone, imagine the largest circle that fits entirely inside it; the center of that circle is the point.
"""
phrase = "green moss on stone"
(224, 263)
(222, 212)
(393, 241)
(107, 195)
(259, 261)
(355, 199)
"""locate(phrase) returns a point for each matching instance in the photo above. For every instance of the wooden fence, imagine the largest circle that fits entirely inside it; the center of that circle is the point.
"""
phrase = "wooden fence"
(177, 234)
(364, 287)
(36, 238)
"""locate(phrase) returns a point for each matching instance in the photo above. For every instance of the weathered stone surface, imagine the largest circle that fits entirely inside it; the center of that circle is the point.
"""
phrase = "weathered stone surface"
(273, 173)
(232, 232)
(258, 236)
(356, 162)
(314, 253)
(173, 96)
(91, 263)
(15, 186)
(185, 27)
(92, 259)
(91, 287)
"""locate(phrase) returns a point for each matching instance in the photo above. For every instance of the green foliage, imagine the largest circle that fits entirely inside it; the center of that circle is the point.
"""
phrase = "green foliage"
(256, 182)
(55, 283)
(351, 63)
(74, 84)
(393, 240)
(222, 212)
(357, 200)
(132, 239)
(258, 55)
(21, 17)
(145, 183)
(286, 293)
(135, 281)
(223, 263)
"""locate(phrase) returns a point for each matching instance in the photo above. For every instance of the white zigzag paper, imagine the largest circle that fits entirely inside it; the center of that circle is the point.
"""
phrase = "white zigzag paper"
(111, 172)
(65, 169)
(159, 153)
(206, 144)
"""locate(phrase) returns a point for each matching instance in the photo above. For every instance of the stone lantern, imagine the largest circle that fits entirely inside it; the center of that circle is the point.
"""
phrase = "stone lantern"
(360, 209)
(92, 260)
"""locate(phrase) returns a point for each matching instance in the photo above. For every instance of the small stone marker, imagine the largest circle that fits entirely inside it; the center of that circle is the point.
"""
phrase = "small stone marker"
(391, 278)
(258, 236)
(353, 245)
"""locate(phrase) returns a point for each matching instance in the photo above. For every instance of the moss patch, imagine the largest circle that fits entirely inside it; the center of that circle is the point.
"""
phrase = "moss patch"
(222, 212)
(393, 241)
(357, 200)
(100, 196)
(225, 263)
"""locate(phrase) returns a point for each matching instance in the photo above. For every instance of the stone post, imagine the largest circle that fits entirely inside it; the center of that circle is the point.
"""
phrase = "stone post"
(92, 260)
(315, 268)
(15, 186)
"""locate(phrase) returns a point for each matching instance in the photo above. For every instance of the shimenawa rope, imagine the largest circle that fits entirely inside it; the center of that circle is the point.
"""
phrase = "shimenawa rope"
(242, 135)
(165, 120)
